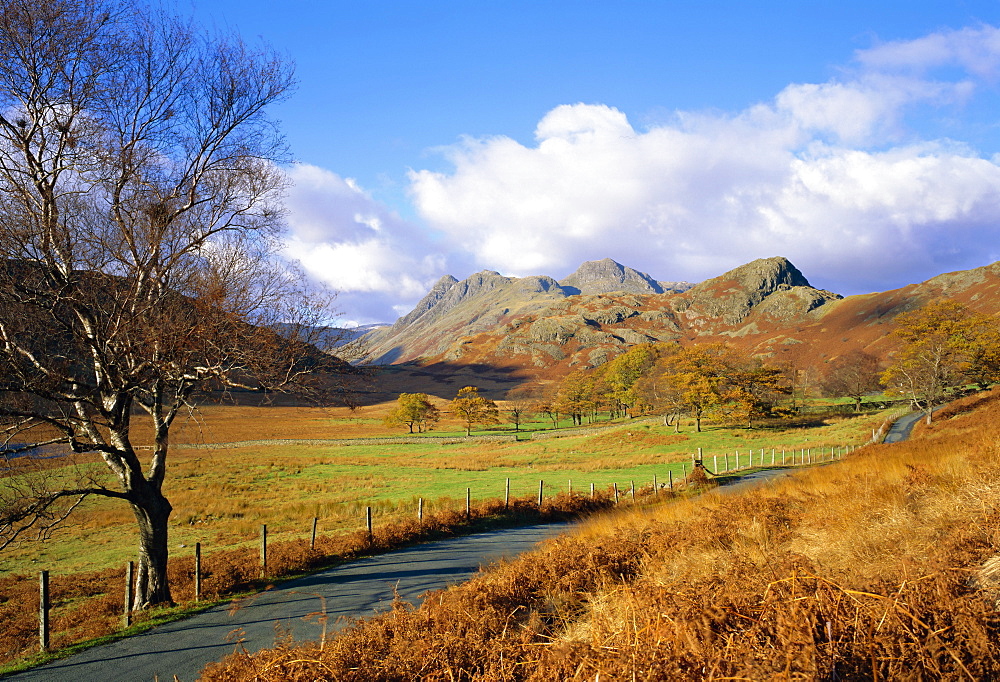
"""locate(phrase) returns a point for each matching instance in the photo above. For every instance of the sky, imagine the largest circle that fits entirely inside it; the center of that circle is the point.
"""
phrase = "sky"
(861, 140)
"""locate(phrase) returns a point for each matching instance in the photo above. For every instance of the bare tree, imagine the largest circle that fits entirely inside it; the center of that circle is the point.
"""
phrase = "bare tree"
(854, 375)
(140, 206)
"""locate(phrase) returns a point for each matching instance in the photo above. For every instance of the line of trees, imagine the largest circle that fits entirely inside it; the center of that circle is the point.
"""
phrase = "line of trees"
(672, 380)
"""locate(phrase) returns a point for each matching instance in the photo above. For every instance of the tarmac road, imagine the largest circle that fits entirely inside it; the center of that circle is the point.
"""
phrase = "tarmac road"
(359, 588)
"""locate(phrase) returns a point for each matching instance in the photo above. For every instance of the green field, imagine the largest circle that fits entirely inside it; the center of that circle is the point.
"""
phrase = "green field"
(222, 496)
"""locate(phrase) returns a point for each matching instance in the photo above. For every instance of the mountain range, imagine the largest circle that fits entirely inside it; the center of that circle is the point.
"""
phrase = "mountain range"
(543, 328)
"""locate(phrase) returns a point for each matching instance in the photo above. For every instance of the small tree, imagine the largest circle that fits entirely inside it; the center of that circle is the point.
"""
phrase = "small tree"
(413, 409)
(520, 405)
(937, 344)
(695, 379)
(853, 375)
(754, 388)
(473, 408)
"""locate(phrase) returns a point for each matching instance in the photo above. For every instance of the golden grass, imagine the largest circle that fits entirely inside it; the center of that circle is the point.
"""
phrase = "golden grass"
(876, 567)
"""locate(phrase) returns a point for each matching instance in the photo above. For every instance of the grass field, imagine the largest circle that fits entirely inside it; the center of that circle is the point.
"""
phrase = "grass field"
(222, 496)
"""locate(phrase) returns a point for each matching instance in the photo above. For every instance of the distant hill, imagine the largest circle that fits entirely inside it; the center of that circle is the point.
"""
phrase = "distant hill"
(538, 328)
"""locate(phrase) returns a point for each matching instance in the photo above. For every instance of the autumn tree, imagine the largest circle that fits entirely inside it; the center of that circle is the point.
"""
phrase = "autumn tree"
(943, 343)
(140, 215)
(754, 388)
(853, 375)
(618, 378)
(520, 404)
(413, 410)
(695, 377)
(576, 396)
(472, 408)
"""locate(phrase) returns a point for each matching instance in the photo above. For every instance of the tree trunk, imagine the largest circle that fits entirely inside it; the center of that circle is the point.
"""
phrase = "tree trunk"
(152, 510)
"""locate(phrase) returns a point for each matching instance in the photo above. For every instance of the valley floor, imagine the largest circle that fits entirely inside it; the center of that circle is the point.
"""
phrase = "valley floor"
(882, 566)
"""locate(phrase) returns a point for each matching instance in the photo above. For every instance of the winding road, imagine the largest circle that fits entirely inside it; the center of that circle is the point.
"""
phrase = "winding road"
(358, 588)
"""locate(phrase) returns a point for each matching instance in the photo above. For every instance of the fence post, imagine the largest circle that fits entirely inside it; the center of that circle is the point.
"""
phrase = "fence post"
(43, 610)
(129, 579)
(506, 495)
(616, 492)
(468, 503)
(670, 478)
(591, 491)
(737, 458)
(263, 550)
(368, 522)
(684, 470)
(312, 540)
(197, 571)
(570, 487)
(420, 510)
(715, 463)
(632, 483)
(656, 489)
(772, 456)
(541, 488)
(726, 458)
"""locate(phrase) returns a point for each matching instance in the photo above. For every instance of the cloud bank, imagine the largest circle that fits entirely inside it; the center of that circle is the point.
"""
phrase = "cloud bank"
(837, 176)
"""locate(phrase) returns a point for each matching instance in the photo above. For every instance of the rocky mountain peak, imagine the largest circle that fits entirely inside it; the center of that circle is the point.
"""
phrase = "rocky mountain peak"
(732, 295)
(607, 276)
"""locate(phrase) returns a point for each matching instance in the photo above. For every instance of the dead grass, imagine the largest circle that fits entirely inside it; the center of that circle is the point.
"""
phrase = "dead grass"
(877, 567)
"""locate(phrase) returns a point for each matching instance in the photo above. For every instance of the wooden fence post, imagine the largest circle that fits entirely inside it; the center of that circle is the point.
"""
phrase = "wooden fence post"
(632, 483)
(591, 491)
(263, 550)
(43, 610)
(726, 458)
(129, 605)
(569, 488)
(506, 495)
(772, 456)
(368, 522)
(715, 463)
(312, 540)
(656, 488)
(616, 491)
(684, 470)
(420, 510)
(468, 503)
(670, 478)
(541, 488)
(197, 571)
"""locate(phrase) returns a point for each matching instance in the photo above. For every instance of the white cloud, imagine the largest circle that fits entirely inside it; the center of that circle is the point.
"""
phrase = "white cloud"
(808, 175)
(373, 258)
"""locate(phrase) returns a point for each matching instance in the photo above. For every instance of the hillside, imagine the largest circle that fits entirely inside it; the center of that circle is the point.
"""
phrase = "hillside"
(536, 328)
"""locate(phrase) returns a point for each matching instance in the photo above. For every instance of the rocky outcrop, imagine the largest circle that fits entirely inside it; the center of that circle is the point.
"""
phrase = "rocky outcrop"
(729, 298)
(608, 276)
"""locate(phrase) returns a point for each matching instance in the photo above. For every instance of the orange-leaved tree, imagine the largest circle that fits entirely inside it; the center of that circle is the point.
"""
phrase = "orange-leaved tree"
(473, 408)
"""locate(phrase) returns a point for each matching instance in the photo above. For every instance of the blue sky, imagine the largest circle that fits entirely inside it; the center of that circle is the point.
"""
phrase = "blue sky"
(681, 139)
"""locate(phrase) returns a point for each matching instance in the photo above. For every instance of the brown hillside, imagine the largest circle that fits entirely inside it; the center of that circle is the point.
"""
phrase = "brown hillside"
(509, 330)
